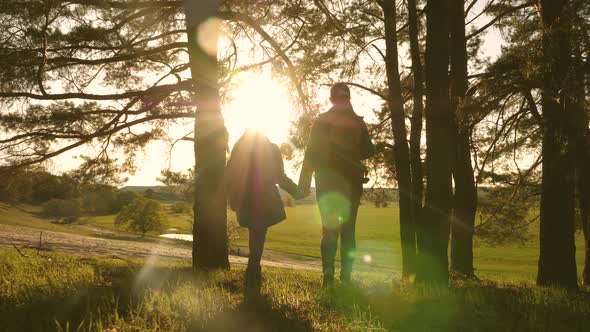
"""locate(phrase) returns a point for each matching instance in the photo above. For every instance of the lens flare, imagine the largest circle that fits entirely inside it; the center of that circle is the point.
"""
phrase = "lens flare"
(207, 35)
(335, 209)
(367, 259)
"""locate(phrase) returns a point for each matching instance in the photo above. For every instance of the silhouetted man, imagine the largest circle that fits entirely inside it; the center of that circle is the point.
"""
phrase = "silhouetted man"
(338, 142)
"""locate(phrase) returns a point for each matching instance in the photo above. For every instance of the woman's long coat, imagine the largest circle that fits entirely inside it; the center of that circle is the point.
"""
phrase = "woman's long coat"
(254, 169)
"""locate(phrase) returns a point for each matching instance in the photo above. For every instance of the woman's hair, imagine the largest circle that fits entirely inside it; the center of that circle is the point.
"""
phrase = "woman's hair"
(250, 166)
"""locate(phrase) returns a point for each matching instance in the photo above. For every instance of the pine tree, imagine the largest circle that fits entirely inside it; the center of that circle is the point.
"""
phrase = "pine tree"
(433, 257)
(557, 259)
(113, 74)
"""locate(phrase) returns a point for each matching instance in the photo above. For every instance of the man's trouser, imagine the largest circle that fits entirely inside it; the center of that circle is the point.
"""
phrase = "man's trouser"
(338, 202)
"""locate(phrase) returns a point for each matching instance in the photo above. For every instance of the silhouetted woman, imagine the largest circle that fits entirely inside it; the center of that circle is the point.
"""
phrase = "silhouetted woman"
(253, 171)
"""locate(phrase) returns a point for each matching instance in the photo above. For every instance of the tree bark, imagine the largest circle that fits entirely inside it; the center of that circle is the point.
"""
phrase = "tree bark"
(465, 197)
(433, 258)
(400, 149)
(417, 118)
(582, 153)
(210, 247)
(584, 189)
(557, 261)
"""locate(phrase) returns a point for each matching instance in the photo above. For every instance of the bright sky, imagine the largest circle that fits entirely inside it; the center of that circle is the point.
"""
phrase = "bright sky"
(257, 101)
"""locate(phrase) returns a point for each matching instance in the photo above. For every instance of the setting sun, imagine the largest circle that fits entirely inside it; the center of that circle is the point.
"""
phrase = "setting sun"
(259, 103)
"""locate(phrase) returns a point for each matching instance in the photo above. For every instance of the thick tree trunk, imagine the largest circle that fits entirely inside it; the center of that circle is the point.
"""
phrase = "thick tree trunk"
(433, 260)
(400, 150)
(584, 188)
(586, 193)
(416, 123)
(583, 170)
(557, 261)
(210, 249)
(582, 155)
(465, 198)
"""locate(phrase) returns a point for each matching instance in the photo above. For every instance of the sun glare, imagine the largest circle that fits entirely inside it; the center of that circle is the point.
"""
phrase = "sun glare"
(259, 103)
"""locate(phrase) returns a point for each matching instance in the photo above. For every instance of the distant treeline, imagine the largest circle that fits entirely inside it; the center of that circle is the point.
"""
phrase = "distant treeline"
(63, 196)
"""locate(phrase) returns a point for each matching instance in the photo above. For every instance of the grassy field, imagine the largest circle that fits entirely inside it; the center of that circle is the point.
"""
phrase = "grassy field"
(378, 245)
(28, 216)
(377, 234)
(84, 293)
(55, 291)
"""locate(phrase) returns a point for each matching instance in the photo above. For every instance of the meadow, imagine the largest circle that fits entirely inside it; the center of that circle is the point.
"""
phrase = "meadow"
(378, 242)
(41, 291)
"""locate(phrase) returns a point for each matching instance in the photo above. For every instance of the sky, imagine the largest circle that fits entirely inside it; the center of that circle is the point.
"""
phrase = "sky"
(257, 101)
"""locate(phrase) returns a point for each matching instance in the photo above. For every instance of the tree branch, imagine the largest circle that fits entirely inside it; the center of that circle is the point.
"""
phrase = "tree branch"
(120, 58)
(274, 44)
(499, 17)
(167, 88)
(99, 134)
(363, 87)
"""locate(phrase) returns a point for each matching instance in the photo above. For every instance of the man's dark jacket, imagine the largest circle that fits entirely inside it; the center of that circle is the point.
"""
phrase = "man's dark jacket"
(338, 142)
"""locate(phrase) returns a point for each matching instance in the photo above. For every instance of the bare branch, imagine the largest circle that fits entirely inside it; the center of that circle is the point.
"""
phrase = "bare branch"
(161, 89)
(501, 16)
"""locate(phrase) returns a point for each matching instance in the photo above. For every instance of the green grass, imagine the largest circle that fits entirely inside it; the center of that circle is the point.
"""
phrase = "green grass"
(377, 236)
(87, 293)
(28, 216)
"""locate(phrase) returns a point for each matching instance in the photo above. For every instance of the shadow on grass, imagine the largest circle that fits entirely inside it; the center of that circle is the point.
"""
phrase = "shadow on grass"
(472, 307)
(259, 315)
(82, 306)
(145, 297)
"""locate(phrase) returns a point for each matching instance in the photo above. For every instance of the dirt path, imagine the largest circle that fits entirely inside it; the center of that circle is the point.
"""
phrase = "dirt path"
(132, 247)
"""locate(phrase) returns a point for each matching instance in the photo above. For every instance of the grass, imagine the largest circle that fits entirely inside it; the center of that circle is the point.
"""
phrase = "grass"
(28, 216)
(377, 236)
(86, 293)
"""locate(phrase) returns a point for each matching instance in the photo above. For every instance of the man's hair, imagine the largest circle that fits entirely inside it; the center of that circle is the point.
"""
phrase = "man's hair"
(340, 91)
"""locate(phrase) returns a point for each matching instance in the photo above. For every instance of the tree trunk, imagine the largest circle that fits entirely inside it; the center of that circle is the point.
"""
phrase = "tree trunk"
(433, 258)
(400, 149)
(557, 261)
(582, 153)
(210, 249)
(416, 122)
(584, 179)
(586, 185)
(465, 198)
(584, 188)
